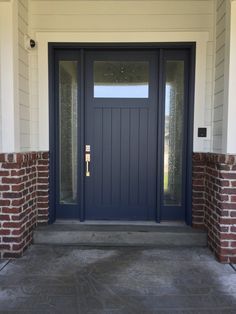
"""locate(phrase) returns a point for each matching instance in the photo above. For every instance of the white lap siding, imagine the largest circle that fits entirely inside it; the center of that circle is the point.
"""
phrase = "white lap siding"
(125, 17)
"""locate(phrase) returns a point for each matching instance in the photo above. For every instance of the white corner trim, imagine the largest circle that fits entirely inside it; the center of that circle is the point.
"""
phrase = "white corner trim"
(9, 77)
(43, 38)
(230, 125)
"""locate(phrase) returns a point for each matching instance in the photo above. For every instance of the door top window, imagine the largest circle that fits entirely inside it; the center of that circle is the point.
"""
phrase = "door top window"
(121, 79)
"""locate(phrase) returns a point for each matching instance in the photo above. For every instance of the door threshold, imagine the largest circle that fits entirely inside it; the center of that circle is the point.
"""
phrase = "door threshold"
(121, 222)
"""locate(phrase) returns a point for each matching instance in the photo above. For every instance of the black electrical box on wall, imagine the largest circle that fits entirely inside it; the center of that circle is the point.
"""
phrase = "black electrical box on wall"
(202, 132)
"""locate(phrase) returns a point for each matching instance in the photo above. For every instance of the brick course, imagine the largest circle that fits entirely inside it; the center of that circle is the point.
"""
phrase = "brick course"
(21, 207)
(215, 209)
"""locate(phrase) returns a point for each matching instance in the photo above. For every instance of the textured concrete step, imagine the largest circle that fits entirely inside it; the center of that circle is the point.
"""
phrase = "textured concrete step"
(154, 235)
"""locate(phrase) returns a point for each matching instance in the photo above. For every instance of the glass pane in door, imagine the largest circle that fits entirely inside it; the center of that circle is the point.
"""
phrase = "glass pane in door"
(68, 96)
(116, 79)
(174, 123)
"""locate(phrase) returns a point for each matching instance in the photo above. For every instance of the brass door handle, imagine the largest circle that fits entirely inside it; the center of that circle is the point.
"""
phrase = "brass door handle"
(87, 161)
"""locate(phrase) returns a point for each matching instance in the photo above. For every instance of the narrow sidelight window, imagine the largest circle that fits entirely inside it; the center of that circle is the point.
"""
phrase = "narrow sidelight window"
(174, 129)
(68, 117)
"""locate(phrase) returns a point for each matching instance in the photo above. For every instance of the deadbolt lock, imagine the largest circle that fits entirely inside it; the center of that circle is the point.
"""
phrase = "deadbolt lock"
(87, 148)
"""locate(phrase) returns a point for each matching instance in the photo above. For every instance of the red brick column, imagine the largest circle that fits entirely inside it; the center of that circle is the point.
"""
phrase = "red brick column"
(42, 187)
(214, 201)
(198, 191)
(221, 205)
(19, 200)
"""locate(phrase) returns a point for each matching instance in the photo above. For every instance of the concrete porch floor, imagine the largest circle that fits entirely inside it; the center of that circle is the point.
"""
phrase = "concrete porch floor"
(65, 279)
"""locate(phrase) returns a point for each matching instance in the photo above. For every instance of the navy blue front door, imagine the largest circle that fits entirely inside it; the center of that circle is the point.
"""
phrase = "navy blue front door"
(121, 135)
(121, 132)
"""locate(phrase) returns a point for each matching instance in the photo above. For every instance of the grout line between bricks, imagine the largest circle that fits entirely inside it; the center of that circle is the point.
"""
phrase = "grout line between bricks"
(5, 265)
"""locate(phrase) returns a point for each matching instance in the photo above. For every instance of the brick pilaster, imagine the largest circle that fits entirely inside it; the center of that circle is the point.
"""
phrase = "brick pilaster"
(198, 191)
(43, 187)
(218, 175)
(20, 204)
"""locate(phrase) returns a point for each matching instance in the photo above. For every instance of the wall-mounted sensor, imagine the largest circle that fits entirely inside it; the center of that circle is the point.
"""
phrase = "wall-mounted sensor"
(32, 43)
(202, 132)
(29, 43)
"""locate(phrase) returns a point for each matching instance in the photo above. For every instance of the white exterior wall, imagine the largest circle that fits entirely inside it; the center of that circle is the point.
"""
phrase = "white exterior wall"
(23, 84)
(117, 21)
(14, 79)
(220, 49)
(229, 125)
(10, 141)
(224, 113)
(23, 76)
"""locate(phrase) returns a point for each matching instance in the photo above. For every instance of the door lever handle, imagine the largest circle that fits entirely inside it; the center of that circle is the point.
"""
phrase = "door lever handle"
(87, 161)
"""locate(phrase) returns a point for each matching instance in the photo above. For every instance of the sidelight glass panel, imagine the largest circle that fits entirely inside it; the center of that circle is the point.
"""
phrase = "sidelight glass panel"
(68, 97)
(174, 121)
(116, 79)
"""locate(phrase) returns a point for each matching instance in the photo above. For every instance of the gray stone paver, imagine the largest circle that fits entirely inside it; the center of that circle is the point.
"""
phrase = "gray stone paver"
(63, 279)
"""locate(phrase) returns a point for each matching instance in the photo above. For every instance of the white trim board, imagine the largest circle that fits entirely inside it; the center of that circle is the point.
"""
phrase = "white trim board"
(43, 38)
(9, 95)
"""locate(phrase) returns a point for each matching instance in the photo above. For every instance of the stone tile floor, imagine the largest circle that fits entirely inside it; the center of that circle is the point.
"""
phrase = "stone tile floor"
(64, 279)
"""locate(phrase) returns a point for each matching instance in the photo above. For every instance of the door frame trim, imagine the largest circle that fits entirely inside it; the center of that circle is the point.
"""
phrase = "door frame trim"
(52, 48)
